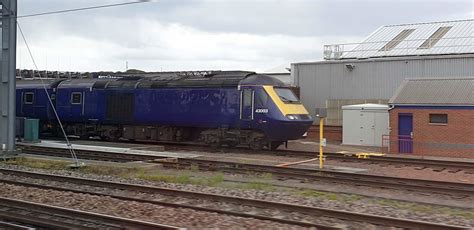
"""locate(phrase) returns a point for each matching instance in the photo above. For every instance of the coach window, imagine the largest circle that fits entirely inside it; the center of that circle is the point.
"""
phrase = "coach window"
(29, 98)
(438, 118)
(76, 98)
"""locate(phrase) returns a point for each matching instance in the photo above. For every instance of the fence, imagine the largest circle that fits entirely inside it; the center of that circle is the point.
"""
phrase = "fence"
(403, 47)
(405, 144)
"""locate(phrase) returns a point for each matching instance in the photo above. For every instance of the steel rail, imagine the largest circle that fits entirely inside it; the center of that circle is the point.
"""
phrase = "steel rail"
(451, 188)
(171, 204)
(88, 154)
(437, 163)
(329, 176)
(315, 211)
(108, 156)
(8, 225)
(72, 213)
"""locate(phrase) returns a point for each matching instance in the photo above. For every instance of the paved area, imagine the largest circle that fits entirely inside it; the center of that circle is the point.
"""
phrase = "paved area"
(111, 149)
(311, 145)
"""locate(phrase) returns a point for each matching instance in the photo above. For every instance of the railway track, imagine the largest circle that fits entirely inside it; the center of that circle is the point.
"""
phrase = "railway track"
(404, 161)
(17, 214)
(226, 204)
(419, 185)
(346, 157)
(450, 188)
(429, 163)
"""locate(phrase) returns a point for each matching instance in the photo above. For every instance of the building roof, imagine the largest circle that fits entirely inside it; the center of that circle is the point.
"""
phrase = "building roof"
(281, 69)
(435, 92)
(448, 37)
(367, 106)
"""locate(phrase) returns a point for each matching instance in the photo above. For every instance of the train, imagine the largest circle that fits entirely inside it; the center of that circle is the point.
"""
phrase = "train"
(221, 108)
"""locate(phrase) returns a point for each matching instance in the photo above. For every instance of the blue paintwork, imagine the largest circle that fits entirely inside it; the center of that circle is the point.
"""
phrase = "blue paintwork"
(203, 106)
(41, 107)
(94, 102)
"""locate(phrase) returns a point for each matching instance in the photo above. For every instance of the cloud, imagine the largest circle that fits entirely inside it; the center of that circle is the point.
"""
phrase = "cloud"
(151, 45)
(209, 34)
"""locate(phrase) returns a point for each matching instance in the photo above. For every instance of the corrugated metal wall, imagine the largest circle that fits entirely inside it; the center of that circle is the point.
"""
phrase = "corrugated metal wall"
(371, 78)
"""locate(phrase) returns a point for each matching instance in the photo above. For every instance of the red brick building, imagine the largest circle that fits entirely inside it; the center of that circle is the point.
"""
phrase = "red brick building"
(433, 117)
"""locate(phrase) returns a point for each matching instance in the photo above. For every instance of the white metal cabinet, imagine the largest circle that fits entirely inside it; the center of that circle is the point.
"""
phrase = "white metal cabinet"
(364, 124)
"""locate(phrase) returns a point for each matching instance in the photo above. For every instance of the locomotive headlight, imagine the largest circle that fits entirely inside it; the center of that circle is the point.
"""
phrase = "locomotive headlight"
(291, 117)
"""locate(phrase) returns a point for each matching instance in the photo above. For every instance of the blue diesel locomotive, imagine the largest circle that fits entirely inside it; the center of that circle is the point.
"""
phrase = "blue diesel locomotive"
(217, 108)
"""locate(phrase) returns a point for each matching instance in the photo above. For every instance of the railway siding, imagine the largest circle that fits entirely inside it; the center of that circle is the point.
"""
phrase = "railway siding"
(314, 212)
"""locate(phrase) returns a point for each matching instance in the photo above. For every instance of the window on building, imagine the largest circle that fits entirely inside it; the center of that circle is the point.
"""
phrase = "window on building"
(28, 98)
(76, 98)
(397, 40)
(439, 118)
(435, 37)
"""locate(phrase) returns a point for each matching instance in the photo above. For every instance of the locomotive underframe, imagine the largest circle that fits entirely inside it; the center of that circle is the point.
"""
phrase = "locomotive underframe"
(213, 137)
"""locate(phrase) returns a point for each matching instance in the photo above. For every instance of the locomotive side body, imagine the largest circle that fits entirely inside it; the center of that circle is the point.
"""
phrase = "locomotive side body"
(188, 107)
(32, 100)
(227, 108)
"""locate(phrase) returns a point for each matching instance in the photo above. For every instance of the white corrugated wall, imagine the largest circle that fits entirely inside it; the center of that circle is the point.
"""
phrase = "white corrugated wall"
(371, 78)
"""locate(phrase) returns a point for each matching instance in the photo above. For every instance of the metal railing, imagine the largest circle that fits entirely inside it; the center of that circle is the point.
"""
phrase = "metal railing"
(404, 47)
(405, 144)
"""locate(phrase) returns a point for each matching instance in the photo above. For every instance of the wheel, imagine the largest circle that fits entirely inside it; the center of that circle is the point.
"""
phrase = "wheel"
(232, 144)
(275, 144)
(213, 141)
(257, 144)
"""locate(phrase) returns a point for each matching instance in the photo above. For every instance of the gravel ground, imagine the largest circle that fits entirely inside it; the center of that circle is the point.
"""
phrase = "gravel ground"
(194, 202)
(361, 204)
(182, 217)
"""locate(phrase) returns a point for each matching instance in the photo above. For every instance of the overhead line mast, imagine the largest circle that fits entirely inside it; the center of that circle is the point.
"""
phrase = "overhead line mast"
(8, 78)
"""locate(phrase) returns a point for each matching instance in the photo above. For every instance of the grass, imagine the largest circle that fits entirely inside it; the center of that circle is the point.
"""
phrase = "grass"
(328, 195)
(40, 164)
(428, 209)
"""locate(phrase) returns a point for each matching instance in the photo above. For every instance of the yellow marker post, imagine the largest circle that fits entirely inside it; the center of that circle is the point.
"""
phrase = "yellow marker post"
(321, 113)
(321, 137)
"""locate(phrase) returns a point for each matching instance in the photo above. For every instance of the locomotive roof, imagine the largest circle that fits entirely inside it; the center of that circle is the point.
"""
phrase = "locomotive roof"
(37, 83)
(199, 79)
(178, 79)
(79, 83)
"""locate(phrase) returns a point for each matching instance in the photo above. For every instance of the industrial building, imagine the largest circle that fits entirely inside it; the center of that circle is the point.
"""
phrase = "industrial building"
(371, 71)
(433, 117)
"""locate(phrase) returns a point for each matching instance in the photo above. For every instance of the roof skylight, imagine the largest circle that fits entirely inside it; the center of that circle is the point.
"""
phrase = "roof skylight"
(396, 40)
(435, 37)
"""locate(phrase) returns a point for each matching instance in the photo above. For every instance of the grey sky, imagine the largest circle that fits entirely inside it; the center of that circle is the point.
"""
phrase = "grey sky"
(209, 34)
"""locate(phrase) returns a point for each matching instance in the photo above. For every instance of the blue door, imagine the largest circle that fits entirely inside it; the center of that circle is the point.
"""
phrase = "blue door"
(405, 133)
(246, 104)
(77, 105)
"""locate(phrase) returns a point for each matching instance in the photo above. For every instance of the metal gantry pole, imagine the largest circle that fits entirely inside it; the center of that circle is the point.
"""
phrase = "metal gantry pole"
(8, 78)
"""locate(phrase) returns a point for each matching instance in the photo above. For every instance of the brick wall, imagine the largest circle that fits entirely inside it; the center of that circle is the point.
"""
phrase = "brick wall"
(332, 134)
(454, 139)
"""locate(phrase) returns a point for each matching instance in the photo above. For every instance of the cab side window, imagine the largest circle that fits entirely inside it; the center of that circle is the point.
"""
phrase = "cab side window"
(28, 98)
(76, 98)
(261, 98)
